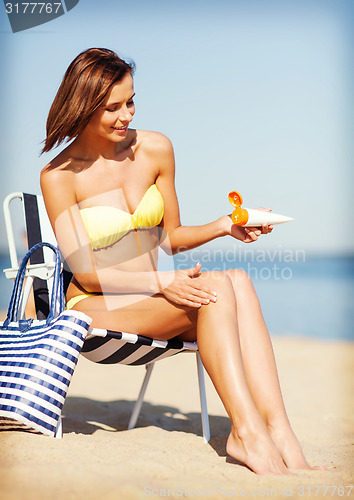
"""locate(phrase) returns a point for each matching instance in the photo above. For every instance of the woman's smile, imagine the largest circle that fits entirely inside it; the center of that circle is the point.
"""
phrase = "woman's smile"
(121, 130)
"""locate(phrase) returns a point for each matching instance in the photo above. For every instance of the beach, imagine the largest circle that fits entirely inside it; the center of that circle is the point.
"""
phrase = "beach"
(165, 456)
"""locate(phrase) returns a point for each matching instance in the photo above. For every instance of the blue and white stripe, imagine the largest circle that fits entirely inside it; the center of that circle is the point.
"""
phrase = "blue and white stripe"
(131, 349)
(36, 368)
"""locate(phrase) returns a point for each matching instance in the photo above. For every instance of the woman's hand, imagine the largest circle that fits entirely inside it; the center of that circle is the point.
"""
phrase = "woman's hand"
(245, 234)
(184, 288)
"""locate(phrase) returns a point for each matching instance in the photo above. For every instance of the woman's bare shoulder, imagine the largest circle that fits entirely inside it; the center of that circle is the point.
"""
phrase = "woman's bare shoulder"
(60, 168)
(58, 175)
(154, 142)
(157, 148)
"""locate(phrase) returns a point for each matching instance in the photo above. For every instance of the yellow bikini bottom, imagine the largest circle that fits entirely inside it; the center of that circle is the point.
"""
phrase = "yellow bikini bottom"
(74, 300)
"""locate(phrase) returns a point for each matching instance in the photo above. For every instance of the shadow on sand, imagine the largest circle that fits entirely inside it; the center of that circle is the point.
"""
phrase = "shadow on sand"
(86, 416)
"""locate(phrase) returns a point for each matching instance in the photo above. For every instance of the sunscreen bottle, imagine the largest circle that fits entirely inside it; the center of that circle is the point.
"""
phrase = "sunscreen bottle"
(250, 216)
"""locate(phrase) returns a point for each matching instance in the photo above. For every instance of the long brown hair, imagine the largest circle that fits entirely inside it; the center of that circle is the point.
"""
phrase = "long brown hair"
(83, 89)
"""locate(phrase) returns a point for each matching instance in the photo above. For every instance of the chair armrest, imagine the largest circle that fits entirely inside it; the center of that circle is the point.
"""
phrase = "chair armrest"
(42, 271)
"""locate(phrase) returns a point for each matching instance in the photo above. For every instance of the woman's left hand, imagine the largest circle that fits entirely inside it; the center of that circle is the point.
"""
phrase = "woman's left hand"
(245, 234)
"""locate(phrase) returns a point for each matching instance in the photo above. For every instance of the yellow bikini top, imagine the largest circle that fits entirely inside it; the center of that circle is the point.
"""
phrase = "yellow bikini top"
(106, 225)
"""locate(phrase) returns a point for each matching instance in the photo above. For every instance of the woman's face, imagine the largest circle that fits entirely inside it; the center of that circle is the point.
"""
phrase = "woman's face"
(112, 119)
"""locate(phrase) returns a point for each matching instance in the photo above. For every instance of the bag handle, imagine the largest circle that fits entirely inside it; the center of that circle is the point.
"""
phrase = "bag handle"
(57, 286)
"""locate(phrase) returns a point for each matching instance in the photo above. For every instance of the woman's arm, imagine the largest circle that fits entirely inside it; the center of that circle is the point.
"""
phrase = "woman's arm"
(181, 238)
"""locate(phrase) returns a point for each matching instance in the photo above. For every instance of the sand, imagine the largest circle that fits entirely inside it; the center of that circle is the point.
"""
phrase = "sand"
(165, 455)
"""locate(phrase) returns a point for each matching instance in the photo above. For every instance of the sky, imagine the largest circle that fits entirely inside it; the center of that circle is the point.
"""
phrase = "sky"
(256, 96)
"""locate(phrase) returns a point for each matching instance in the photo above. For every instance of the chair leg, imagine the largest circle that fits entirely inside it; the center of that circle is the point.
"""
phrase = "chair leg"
(203, 401)
(139, 401)
(59, 429)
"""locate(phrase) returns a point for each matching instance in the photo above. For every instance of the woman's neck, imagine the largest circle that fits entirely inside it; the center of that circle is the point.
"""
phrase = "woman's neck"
(91, 148)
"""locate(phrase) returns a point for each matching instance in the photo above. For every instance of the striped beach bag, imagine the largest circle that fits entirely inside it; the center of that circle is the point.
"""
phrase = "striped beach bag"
(38, 358)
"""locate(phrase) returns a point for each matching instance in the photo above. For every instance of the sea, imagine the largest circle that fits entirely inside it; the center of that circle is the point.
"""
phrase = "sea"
(301, 295)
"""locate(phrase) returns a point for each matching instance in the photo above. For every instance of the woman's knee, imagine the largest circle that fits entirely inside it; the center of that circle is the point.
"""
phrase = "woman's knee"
(239, 276)
(217, 281)
(242, 284)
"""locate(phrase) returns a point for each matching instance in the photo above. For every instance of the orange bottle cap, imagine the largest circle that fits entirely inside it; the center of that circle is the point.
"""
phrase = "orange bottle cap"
(239, 216)
(235, 199)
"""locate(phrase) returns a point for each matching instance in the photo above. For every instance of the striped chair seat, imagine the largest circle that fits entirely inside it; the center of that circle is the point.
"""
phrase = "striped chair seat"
(131, 349)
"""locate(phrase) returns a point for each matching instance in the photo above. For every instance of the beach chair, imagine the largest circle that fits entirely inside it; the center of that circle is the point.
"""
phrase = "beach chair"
(101, 346)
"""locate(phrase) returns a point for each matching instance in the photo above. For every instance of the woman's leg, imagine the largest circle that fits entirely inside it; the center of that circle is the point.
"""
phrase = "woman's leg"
(219, 347)
(261, 371)
(220, 351)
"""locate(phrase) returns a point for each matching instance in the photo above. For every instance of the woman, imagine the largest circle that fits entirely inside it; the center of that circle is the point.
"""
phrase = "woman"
(111, 199)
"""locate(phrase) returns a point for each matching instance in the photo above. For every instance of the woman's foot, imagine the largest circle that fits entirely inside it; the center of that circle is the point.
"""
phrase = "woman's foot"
(290, 448)
(257, 451)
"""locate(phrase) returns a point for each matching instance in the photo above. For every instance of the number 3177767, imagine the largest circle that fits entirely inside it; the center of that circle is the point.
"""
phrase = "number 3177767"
(32, 8)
